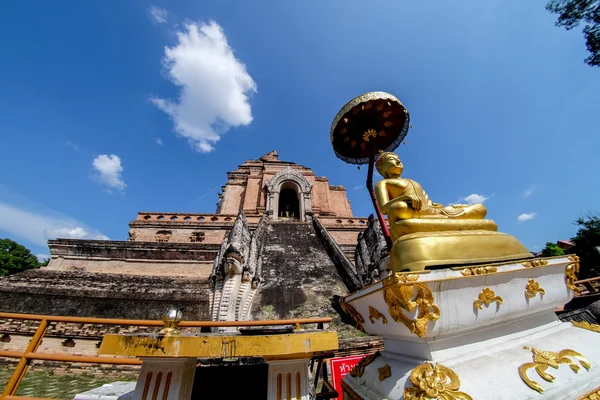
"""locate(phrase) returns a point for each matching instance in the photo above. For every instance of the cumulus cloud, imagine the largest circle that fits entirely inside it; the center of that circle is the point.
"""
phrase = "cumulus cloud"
(158, 15)
(42, 257)
(38, 228)
(525, 217)
(475, 198)
(531, 190)
(213, 86)
(108, 170)
(159, 141)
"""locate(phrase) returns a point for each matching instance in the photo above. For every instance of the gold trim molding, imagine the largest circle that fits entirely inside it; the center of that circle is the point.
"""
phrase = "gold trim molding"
(359, 369)
(571, 272)
(593, 395)
(537, 262)
(533, 288)
(487, 297)
(478, 270)
(384, 372)
(375, 314)
(404, 293)
(586, 325)
(544, 359)
(355, 315)
(429, 382)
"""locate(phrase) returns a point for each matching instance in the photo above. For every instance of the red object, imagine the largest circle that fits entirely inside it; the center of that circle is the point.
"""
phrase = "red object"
(340, 367)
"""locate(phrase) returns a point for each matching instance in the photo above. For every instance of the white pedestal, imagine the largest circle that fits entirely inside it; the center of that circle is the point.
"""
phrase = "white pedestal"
(289, 379)
(165, 378)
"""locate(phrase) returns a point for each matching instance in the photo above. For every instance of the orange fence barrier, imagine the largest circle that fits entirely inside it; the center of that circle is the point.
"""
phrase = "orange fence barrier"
(30, 354)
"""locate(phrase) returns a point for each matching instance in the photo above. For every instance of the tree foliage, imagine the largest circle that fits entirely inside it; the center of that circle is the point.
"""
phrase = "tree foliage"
(15, 258)
(571, 13)
(586, 242)
(551, 250)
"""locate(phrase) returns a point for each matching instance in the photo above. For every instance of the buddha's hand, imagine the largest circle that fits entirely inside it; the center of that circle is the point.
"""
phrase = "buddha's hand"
(415, 202)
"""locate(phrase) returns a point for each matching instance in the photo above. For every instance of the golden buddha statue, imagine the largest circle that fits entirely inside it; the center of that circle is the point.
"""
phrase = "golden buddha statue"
(429, 234)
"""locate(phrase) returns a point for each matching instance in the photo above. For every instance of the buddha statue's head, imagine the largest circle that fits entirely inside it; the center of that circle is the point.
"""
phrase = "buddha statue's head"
(389, 165)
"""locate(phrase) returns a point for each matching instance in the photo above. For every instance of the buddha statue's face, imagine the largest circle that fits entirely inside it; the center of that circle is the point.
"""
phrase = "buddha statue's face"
(392, 167)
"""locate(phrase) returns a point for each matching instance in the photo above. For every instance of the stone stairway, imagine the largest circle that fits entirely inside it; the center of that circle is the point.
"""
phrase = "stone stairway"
(298, 277)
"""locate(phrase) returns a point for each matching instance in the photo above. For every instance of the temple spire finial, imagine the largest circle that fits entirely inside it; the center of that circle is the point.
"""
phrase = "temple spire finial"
(270, 156)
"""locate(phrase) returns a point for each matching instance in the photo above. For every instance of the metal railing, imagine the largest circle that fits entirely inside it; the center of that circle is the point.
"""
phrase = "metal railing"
(30, 354)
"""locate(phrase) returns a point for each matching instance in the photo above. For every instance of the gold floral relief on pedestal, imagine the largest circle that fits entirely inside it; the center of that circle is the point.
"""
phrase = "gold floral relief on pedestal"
(402, 293)
(355, 315)
(571, 273)
(487, 297)
(586, 325)
(478, 270)
(384, 372)
(544, 359)
(359, 369)
(375, 314)
(533, 288)
(538, 262)
(431, 382)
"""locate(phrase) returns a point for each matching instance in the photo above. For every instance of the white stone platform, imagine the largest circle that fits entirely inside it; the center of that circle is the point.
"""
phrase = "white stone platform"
(481, 325)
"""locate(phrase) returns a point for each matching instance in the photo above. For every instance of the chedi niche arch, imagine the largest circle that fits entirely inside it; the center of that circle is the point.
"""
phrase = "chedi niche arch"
(289, 196)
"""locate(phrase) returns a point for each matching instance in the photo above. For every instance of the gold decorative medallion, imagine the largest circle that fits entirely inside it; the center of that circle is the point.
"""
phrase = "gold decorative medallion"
(487, 297)
(370, 133)
(571, 273)
(356, 317)
(532, 289)
(586, 325)
(478, 271)
(544, 359)
(374, 314)
(359, 369)
(535, 263)
(431, 382)
(384, 372)
(401, 292)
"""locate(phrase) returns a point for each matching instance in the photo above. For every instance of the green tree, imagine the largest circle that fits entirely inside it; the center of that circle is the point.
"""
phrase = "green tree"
(552, 249)
(586, 242)
(15, 258)
(571, 13)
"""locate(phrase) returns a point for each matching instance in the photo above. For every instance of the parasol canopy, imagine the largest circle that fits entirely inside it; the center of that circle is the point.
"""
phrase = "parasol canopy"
(367, 124)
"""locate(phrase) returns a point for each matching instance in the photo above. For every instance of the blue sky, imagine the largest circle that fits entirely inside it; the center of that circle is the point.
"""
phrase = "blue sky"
(108, 108)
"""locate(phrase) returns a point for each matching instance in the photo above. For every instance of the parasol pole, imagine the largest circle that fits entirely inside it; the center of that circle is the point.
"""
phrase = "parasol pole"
(382, 223)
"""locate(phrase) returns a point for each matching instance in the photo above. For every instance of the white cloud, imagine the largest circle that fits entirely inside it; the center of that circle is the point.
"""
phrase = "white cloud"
(38, 228)
(358, 187)
(72, 145)
(42, 257)
(525, 217)
(159, 15)
(475, 198)
(214, 86)
(108, 171)
(531, 190)
(159, 141)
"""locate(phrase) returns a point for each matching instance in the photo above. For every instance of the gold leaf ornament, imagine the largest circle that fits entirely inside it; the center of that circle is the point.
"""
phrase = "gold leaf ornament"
(487, 297)
(359, 369)
(586, 325)
(478, 271)
(431, 382)
(535, 263)
(571, 273)
(375, 314)
(533, 288)
(405, 294)
(542, 360)
(355, 315)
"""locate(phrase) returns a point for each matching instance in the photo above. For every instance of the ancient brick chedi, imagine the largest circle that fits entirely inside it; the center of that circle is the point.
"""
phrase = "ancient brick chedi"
(257, 256)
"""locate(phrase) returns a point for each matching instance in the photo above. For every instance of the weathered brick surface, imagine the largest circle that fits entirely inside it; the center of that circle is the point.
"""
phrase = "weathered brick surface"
(102, 295)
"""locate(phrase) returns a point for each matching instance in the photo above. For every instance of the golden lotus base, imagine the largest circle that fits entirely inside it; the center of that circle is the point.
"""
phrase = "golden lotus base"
(419, 251)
